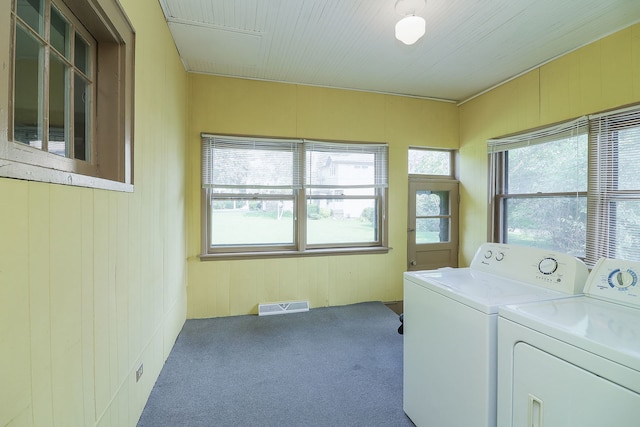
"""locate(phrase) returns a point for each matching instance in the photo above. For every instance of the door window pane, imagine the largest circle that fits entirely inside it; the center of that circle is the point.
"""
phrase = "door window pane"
(58, 89)
(432, 230)
(431, 203)
(27, 118)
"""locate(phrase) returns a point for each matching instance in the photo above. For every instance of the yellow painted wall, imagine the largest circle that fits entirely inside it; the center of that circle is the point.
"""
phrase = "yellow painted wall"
(597, 77)
(93, 282)
(235, 106)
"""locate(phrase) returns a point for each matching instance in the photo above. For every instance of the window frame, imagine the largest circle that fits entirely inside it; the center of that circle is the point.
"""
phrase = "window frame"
(300, 200)
(498, 152)
(602, 172)
(501, 196)
(111, 165)
(604, 190)
(453, 164)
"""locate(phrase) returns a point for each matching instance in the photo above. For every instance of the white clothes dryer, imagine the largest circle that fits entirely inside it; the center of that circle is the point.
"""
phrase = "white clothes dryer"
(450, 328)
(574, 362)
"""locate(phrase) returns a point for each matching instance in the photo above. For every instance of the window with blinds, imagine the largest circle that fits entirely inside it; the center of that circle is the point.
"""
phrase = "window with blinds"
(571, 187)
(344, 189)
(539, 188)
(614, 186)
(273, 196)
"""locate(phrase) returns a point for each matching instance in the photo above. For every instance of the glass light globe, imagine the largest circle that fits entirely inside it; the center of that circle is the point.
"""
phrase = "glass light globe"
(410, 28)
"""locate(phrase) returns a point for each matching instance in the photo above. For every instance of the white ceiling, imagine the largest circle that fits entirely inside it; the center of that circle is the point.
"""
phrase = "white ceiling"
(470, 45)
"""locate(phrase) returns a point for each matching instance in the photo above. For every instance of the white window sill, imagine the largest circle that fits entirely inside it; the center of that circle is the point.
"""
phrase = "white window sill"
(294, 254)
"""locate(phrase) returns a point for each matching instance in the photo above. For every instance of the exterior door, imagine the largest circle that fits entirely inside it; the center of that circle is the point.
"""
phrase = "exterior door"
(432, 224)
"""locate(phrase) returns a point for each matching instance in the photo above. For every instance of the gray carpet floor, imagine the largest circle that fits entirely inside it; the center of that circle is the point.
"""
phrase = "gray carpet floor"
(332, 366)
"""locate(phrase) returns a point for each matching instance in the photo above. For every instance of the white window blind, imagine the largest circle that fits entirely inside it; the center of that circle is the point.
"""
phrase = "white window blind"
(233, 163)
(614, 186)
(560, 131)
(567, 135)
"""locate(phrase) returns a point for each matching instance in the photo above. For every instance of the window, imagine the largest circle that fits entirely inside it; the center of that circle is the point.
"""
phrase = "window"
(614, 186)
(571, 188)
(72, 65)
(540, 188)
(432, 162)
(288, 196)
(68, 86)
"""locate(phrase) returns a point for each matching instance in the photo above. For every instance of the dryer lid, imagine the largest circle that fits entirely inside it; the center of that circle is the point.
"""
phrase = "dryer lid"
(600, 327)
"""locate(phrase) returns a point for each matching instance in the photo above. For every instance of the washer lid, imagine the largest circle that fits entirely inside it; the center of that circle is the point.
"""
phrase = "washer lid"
(482, 291)
(603, 328)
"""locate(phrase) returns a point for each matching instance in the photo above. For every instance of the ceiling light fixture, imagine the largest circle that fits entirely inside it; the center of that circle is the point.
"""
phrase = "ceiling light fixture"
(410, 28)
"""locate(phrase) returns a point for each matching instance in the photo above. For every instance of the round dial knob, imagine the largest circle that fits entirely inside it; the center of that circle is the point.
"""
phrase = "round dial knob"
(488, 254)
(548, 265)
(499, 256)
(622, 278)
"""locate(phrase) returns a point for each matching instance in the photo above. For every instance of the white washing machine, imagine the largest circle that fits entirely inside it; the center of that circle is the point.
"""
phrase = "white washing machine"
(574, 362)
(450, 328)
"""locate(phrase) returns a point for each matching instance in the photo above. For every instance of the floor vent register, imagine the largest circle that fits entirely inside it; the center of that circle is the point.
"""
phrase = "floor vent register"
(268, 309)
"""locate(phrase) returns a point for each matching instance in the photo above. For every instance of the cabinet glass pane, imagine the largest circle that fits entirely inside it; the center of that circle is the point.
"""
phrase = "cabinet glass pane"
(27, 116)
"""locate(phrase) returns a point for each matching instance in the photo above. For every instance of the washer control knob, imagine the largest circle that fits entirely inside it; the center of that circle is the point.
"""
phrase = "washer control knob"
(488, 254)
(622, 279)
(548, 266)
(499, 256)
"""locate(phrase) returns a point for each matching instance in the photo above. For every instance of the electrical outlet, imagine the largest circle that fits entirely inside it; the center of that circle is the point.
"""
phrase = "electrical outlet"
(139, 373)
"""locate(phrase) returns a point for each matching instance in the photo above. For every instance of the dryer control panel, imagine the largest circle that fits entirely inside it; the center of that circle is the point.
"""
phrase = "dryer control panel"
(552, 270)
(615, 280)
